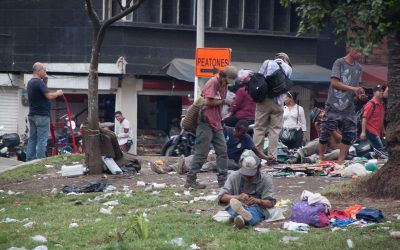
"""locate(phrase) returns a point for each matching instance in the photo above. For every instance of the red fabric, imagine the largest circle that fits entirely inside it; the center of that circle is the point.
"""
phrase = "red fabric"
(214, 90)
(339, 214)
(244, 106)
(375, 117)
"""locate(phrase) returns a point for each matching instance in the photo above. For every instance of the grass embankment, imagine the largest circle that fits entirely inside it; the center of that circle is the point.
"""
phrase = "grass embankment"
(169, 217)
(29, 170)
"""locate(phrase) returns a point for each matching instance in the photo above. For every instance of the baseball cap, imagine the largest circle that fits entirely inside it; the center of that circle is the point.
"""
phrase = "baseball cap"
(230, 74)
(284, 57)
(376, 88)
(249, 165)
(314, 114)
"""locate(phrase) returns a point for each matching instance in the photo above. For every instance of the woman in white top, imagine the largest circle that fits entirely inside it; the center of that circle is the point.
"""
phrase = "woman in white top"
(294, 123)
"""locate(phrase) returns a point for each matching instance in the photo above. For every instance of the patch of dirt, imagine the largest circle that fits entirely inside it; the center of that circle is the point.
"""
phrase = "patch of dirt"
(284, 187)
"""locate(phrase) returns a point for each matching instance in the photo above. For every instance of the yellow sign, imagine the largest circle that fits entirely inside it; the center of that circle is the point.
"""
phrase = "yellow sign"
(209, 61)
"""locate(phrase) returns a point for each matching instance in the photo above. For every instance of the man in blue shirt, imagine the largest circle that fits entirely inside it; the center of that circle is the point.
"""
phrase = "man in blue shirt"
(39, 97)
(238, 140)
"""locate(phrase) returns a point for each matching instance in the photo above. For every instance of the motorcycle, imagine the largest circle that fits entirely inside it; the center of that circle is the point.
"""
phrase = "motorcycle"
(10, 145)
(177, 145)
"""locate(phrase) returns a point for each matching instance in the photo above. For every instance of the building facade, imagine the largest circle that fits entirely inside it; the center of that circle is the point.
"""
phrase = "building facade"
(138, 50)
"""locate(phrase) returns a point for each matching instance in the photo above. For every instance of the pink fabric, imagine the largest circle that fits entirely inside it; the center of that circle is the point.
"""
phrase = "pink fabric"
(244, 106)
(214, 90)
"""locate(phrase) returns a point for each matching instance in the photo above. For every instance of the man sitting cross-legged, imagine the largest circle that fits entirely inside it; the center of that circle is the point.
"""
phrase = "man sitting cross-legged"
(248, 193)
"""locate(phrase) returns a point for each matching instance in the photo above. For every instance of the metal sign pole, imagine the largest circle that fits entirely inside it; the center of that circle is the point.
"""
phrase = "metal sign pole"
(199, 42)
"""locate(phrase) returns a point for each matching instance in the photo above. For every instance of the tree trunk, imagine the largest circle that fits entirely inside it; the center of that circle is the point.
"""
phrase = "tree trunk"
(385, 183)
(92, 151)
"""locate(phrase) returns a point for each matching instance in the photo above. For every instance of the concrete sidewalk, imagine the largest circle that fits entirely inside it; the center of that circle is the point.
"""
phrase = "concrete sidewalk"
(7, 164)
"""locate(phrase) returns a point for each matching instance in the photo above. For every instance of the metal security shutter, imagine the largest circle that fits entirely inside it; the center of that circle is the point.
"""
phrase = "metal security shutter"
(9, 110)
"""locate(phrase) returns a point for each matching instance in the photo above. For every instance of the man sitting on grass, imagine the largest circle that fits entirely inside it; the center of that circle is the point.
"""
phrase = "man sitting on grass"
(248, 193)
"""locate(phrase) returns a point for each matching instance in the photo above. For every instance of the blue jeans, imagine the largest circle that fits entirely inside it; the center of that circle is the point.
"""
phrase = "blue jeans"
(39, 129)
(375, 141)
(256, 212)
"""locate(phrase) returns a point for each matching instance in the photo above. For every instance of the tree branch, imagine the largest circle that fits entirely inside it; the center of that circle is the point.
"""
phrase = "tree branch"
(117, 17)
(92, 14)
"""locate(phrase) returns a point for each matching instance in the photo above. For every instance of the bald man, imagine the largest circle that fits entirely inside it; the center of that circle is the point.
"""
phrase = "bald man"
(39, 97)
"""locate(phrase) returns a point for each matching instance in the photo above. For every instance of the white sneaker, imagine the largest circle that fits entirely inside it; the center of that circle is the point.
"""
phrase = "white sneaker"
(239, 222)
(237, 206)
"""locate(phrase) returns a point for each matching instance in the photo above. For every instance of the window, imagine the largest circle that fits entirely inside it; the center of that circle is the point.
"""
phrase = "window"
(267, 15)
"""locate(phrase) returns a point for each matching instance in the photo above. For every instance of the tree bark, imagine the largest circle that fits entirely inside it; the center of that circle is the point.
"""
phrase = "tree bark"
(386, 183)
(92, 135)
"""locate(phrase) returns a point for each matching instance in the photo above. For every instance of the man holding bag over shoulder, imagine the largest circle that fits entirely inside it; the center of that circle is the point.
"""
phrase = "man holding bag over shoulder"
(210, 130)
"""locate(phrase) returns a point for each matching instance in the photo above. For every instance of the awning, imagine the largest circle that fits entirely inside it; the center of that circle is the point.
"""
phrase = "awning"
(310, 75)
(374, 74)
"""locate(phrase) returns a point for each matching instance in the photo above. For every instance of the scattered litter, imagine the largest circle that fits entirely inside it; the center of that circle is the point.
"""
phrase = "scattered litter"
(356, 169)
(54, 191)
(177, 194)
(158, 185)
(46, 223)
(73, 225)
(109, 189)
(128, 194)
(25, 220)
(186, 193)
(78, 203)
(2, 209)
(212, 197)
(31, 224)
(17, 248)
(42, 247)
(111, 203)
(296, 227)
(172, 172)
(287, 239)
(106, 210)
(276, 214)
(10, 192)
(198, 212)
(74, 170)
(49, 166)
(395, 215)
(350, 243)
(110, 164)
(9, 220)
(194, 246)
(155, 193)
(27, 208)
(39, 238)
(125, 188)
(262, 229)
(73, 193)
(395, 234)
(222, 216)
(93, 186)
(177, 242)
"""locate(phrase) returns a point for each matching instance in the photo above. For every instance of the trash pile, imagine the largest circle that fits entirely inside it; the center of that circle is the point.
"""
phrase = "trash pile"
(357, 167)
(314, 210)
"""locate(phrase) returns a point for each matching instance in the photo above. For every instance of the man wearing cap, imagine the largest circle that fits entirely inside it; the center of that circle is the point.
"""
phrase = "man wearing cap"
(339, 108)
(248, 193)
(269, 113)
(209, 129)
(373, 119)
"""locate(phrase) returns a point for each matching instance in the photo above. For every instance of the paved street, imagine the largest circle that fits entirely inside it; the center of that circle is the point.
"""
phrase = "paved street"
(7, 163)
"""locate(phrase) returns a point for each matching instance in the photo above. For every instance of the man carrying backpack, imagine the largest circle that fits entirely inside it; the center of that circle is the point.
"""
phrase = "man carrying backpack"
(340, 109)
(373, 118)
(269, 112)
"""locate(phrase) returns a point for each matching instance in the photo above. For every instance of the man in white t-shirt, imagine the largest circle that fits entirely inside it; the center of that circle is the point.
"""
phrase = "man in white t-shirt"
(123, 131)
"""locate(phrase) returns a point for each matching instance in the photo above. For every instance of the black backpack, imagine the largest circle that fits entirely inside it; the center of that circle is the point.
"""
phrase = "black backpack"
(257, 87)
(278, 83)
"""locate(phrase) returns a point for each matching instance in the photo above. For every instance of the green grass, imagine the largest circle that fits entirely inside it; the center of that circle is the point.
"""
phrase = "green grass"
(30, 170)
(99, 231)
